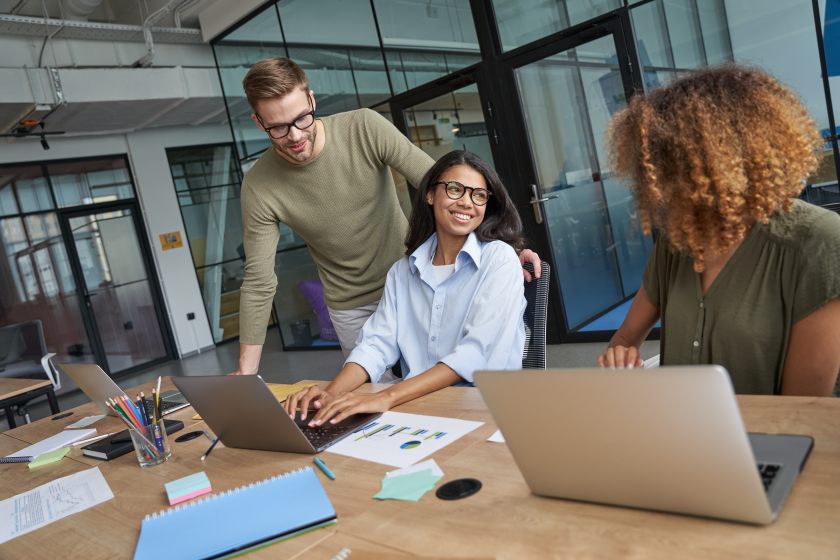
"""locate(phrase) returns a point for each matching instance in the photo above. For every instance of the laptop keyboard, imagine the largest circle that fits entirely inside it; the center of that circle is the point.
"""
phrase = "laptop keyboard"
(768, 472)
(322, 434)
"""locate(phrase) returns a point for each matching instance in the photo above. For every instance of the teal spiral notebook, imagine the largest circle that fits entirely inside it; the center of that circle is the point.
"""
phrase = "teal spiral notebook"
(232, 522)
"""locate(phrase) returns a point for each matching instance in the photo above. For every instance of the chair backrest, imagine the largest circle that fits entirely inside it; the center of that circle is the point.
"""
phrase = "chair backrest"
(51, 370)
(536, 310)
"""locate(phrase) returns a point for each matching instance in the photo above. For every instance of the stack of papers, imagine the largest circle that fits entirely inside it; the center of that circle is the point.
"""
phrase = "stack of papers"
(409, 484)
(52, 443)
(187, 488)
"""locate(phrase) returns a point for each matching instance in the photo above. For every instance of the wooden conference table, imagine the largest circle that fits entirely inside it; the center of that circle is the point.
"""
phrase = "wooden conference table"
(503, 520)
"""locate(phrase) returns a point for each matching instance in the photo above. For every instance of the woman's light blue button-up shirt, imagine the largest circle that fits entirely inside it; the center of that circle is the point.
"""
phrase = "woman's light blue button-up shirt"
(470, 321)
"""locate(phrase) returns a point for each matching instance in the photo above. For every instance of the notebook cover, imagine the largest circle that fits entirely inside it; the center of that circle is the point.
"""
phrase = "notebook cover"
(237, 520)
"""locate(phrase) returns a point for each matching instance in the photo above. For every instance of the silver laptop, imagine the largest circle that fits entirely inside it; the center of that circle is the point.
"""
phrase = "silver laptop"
(668, 439)
(99, 387)
(242, 411)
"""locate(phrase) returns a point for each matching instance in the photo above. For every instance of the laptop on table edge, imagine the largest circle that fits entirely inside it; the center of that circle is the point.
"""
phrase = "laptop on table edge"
(99, 387)
(669, 439)
(243, 412)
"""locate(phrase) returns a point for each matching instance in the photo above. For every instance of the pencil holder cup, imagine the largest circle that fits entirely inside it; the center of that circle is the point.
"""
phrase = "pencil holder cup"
(151, 444)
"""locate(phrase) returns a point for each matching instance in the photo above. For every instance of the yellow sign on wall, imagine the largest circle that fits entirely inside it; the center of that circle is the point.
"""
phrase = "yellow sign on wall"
(171, 240)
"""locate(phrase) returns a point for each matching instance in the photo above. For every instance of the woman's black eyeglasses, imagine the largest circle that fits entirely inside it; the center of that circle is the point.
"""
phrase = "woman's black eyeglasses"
(456, 190)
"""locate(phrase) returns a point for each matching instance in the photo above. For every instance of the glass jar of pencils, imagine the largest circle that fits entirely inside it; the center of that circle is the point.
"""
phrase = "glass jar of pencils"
(151, 444)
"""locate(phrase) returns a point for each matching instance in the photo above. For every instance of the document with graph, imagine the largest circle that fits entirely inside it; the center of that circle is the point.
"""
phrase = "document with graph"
(400, 439)
(52, 501)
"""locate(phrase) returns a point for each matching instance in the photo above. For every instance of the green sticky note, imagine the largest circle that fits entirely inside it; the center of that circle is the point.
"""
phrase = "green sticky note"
(408, 487)
(48, 458)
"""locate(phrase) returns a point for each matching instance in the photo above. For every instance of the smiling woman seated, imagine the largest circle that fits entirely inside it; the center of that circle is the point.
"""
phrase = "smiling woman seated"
(451, 306)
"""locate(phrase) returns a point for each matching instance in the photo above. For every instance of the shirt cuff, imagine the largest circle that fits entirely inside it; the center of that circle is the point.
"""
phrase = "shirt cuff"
(368, 359)
(465, 361)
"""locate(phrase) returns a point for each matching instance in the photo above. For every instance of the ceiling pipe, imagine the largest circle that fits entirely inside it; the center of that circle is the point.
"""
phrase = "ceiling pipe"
(149, 58)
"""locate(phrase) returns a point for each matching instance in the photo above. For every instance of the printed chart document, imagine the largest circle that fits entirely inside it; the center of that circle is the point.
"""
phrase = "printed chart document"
(400, 439)
(52, 501)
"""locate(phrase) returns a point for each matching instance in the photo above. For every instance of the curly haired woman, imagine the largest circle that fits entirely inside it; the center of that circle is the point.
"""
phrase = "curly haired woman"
(743, 273)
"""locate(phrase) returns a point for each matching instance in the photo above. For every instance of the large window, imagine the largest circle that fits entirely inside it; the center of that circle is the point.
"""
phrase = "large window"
(207, 181)
(543, 73)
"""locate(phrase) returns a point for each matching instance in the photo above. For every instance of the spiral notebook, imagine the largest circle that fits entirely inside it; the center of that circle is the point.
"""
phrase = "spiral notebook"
(227, 524)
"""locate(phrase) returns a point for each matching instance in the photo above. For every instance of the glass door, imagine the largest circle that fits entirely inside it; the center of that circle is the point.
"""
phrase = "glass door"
(597, 246)
(120, 302)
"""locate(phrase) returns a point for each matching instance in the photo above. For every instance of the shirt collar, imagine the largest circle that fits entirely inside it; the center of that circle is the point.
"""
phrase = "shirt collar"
(422, 257)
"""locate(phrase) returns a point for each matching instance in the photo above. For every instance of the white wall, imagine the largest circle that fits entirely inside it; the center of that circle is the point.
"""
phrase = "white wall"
(159, 207)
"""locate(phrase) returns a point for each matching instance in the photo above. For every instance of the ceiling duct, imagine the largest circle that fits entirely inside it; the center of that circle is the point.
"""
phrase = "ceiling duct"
(80, 9)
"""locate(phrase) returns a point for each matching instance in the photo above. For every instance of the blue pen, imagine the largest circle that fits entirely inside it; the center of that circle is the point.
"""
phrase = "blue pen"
(324, 468)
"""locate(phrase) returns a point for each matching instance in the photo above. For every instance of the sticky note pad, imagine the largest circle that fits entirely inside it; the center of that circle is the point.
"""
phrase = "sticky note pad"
(48, 458)
(187, 488)
(408, 487)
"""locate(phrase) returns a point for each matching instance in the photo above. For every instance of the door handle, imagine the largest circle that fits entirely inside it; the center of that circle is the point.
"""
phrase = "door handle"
(536, 201)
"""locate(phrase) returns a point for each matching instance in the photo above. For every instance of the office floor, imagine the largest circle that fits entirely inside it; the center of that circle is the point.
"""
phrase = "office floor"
(278, 366)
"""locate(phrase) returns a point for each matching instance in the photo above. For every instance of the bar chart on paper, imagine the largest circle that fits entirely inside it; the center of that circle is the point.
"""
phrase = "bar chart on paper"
(400, 439)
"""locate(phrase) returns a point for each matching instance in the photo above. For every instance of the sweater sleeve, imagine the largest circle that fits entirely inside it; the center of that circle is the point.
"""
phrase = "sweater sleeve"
(394, 149)
(260, 236)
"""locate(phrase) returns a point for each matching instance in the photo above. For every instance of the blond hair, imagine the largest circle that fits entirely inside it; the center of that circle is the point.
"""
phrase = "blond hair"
(273, 77)
(712, 154)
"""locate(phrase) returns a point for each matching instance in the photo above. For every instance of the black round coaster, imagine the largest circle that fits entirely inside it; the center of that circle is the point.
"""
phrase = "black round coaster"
(62, 415)
(188, 436)
(459, 488)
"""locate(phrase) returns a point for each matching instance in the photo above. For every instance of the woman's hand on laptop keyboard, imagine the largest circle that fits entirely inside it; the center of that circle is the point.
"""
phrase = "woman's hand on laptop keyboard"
(314, 397)
(348, 404)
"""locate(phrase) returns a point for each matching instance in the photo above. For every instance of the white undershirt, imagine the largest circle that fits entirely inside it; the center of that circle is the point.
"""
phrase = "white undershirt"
(443, 271)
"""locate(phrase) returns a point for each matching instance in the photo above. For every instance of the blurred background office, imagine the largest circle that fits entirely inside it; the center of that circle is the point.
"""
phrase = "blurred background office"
(126, 134)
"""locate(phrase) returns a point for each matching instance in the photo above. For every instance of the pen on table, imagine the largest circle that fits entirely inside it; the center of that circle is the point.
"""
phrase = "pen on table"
(92, 439)
(212, 445)
(324, 468)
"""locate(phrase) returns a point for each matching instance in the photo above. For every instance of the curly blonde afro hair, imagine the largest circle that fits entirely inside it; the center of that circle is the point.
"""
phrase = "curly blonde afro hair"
(712, 154)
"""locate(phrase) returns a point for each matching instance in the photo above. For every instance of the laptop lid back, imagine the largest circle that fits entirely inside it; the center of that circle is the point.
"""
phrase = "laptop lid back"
(668, 439)
(243, 412)
(94, 382)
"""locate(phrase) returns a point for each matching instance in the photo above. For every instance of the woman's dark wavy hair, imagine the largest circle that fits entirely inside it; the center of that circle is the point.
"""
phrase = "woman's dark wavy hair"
(501, 220)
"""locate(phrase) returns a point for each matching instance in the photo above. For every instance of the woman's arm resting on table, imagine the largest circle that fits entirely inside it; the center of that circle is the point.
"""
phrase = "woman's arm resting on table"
(337, 409)
(813, 355)
(623, 349)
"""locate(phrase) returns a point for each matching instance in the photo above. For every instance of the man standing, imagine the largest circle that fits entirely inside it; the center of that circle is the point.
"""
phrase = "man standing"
(329, 180)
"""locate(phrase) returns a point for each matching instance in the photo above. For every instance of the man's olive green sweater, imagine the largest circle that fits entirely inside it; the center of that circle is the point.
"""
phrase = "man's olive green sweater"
(343, 203)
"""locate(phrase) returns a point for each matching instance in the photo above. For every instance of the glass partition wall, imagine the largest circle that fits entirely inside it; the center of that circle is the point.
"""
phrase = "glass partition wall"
(530, 86)
(75, 256)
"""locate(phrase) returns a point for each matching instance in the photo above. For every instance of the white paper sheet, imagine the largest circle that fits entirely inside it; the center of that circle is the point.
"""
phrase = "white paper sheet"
(87, 421)
(52, 501)
(399, 439)
(59, 440)
(496, 437)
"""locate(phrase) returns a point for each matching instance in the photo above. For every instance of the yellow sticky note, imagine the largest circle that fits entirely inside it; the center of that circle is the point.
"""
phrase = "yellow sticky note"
(281, 391)
(48, 458)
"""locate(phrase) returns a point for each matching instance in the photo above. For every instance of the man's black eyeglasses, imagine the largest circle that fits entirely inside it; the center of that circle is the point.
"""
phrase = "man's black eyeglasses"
(279, 131)
(456, 190)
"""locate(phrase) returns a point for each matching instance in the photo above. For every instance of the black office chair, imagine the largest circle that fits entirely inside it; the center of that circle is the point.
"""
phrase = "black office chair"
(536, 310)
